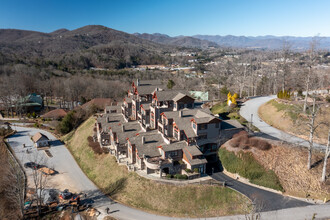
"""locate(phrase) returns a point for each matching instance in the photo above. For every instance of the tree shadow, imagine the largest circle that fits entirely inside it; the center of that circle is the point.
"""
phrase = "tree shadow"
(115, 187)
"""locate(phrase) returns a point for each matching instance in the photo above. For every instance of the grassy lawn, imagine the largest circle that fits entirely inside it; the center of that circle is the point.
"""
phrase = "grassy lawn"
(246, 166)
(226, 112)
(133, 190)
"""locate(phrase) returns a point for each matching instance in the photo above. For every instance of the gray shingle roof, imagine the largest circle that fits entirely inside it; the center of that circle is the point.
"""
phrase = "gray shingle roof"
(184, 122)
(150, 146)
(230, 124)
(174, 146)
(194, 151)
(130, 130)
(167, 95)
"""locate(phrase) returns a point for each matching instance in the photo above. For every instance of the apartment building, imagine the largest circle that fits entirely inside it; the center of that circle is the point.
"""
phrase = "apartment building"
(161, 131)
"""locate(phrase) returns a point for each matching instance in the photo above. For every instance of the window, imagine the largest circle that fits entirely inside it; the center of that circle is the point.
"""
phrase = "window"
(202, 126)
(189, 105)
(194, 125)
(214, 147)
(174, 105)
(202, 136)
(217, 125)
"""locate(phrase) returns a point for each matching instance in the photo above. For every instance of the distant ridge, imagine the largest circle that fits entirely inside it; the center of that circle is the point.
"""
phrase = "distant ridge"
(265, 42)
(182, 41)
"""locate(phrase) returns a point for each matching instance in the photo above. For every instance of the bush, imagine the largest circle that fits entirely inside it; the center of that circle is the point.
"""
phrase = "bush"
(181, 177)
(196, 170)
(240, 133)
(328, 98)
(169, 176)
(188, 170)
(28, 115)
(34, 115)
(260, 144)
(94, 145)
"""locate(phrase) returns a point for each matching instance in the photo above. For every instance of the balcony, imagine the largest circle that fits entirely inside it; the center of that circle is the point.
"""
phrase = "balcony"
(156, 163)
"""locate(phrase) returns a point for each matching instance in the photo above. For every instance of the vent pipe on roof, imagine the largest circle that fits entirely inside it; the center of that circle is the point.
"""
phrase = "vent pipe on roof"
(143, 140)
(123, 128)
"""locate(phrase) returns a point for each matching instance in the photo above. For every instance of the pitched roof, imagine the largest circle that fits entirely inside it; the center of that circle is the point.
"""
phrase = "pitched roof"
(150, 146)
(56, 114)
(190, 151)
(130, 130)
(166, 95)
(149, 82)
(174, 146)
(99, 102)
(38, 136)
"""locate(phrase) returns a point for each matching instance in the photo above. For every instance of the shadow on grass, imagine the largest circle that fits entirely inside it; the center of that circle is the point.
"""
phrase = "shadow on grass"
(116, 187)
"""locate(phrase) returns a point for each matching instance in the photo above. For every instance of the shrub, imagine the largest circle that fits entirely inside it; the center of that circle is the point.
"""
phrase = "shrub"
(94, 145)
(196, 170)
(240, 133)
(234, 142)
(188, 170)
(260, 144)
(328, 98)
(169, 176)
(34, 115)
(181, 177)
(28, 115)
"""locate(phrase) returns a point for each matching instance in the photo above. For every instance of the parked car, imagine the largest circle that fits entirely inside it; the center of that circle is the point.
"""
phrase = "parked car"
(32, 165)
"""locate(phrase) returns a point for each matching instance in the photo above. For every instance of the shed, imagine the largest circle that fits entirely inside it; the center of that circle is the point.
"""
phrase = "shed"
(40, 140)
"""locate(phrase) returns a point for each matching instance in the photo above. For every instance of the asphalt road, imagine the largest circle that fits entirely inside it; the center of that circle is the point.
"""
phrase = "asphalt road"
(264, 200)
(250, 108)
(71, 176)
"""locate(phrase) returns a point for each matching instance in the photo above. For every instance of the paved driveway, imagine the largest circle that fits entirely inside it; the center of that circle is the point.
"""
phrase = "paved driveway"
(251, 108)
(265, 200)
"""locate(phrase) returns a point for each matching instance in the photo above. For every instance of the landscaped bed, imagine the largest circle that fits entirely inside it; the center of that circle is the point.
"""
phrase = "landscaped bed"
(279, 167)
(138, 192)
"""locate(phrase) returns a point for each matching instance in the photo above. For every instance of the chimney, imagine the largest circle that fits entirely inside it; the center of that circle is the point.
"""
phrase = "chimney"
(180, 114)
(122, 128)
(137, 82)
(143, 140)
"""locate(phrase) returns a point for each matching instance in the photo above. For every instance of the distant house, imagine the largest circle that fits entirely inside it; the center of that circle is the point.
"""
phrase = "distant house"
(40, 140)
(55, 114)
(32, 103)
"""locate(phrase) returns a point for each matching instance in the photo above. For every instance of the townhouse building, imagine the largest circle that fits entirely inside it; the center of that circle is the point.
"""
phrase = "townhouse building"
(161, 131)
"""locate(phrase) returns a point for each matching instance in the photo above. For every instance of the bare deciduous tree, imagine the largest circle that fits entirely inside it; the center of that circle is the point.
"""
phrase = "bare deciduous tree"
(326, 156)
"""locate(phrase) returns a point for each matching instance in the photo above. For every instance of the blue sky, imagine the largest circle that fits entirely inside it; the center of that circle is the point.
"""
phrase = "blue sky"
(180, 17)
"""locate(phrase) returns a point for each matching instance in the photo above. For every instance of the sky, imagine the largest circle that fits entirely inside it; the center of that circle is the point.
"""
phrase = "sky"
(180, 17)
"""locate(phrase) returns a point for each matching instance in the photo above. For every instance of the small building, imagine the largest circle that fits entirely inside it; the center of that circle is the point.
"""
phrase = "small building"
(55, 114)
(40, 140)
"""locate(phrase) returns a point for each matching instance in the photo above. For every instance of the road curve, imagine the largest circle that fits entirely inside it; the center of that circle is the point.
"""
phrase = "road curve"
(250, 108)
